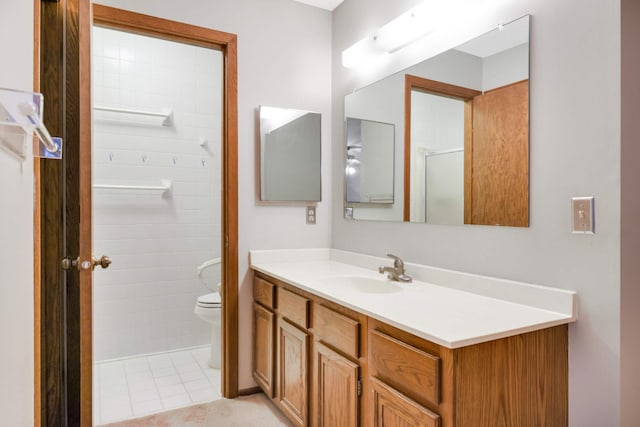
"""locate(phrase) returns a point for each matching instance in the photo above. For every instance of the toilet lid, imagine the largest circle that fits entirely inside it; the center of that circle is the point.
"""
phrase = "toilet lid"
(210, 300)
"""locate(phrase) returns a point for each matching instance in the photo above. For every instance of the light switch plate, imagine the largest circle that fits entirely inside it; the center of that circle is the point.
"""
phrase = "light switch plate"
(348, 213)
(582, 215)
(311, 214)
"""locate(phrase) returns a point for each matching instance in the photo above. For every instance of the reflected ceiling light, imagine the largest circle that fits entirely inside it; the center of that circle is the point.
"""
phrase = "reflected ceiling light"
(426, 18)
(362, 52)
(402, 31)
(405, 29)
(276, 117)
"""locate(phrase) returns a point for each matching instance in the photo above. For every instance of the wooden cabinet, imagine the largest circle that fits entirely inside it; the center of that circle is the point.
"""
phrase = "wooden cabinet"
(408, 369)
(307, 356)
(393, 409)
(293, 378)
(264, 335)
(515, 381)
(336, 373)
(263, 348)
(337, 390)
(313, 357)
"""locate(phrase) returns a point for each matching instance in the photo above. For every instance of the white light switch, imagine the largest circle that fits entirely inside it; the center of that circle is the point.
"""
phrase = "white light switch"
(582, 211)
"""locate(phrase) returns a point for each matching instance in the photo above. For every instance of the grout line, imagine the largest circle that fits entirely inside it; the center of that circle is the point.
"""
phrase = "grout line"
(126, 379)
(202, 369)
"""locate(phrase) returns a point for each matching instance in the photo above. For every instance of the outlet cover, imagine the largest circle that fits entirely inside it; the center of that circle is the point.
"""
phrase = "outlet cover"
(311, 214)
(582, 215)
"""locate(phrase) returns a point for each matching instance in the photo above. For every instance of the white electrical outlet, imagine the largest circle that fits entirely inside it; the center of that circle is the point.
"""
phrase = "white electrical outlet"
(582, 215)
(311, 214)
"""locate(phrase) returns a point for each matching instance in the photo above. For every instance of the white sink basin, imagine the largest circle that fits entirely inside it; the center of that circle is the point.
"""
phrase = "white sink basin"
(364, 284)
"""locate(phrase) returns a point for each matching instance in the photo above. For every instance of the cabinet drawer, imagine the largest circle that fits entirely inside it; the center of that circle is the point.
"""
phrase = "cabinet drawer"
(293, 307)
(263, 292)
(392, 408)
(337, 330)
(412, 371)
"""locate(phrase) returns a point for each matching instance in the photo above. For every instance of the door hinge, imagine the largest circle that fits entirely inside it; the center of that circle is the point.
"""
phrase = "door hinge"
(359, 387)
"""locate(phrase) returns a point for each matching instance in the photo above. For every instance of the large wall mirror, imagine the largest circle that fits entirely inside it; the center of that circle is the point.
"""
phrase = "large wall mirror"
(461, 137)
(289, 155)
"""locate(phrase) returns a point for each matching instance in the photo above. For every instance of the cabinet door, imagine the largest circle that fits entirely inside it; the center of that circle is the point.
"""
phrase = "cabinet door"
(393, 409)
(293, 384)
(337, 388)
(263, 349)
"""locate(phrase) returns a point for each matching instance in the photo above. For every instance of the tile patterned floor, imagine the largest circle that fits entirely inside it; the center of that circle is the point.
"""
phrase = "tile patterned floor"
(138, 386)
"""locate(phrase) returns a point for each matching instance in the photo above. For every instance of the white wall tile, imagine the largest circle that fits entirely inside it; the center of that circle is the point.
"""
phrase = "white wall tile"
(144, 302)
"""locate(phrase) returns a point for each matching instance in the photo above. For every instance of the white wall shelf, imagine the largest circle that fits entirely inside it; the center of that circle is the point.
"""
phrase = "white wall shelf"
(166, 115)
(163, 187)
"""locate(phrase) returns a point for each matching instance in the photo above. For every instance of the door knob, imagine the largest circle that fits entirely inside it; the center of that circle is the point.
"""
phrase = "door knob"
(103, 262)
(68, 263)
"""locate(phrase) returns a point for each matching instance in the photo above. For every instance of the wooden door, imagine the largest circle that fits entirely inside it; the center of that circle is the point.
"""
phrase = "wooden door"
(497, 160)
(393, 409)
(263, 349)
(337, 388)
(63, 217)
(293, 378)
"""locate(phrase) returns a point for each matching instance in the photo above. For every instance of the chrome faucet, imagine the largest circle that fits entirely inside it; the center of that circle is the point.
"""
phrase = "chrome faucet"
(396, 272)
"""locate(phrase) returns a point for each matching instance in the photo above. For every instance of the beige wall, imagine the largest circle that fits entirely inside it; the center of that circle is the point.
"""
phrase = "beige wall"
(16, 231)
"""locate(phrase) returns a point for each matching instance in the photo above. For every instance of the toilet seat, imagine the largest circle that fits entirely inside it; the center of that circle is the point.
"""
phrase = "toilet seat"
(211, 300)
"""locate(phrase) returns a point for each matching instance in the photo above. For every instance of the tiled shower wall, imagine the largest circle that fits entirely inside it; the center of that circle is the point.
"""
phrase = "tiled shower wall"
(143, 303)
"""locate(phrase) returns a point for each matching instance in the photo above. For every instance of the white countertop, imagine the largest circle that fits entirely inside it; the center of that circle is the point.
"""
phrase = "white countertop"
(462, 309)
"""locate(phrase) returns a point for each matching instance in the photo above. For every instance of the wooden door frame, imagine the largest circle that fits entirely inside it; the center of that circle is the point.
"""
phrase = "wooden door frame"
(438, 88)
(77, 25)
(227, 43)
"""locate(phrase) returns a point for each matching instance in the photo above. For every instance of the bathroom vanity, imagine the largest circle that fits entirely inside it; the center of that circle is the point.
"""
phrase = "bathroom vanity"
(336, 344)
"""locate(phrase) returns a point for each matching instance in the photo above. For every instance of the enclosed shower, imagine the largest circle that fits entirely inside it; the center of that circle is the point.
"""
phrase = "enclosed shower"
(157, 126)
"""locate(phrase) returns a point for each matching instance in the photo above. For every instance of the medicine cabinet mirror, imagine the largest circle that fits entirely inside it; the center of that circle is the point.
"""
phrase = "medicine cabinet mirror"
(461, 137)
(289, 155)
(369, 170)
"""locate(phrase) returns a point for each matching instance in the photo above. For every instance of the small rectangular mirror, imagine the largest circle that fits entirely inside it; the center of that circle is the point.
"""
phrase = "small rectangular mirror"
(369, 168)
(289, 155)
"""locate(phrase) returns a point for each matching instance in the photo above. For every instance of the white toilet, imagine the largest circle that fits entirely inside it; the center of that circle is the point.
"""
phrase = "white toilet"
(208, 308)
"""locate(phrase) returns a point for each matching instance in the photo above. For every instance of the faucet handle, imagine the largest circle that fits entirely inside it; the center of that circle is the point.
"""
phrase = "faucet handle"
(397, 261)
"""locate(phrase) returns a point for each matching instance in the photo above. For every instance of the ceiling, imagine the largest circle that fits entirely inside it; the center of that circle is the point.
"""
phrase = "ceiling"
(323, 4)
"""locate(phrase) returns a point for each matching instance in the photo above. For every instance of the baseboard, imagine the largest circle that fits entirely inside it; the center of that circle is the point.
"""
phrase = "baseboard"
(250, 390)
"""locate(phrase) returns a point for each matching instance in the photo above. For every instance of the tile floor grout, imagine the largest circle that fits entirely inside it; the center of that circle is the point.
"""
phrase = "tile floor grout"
(188, 380)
